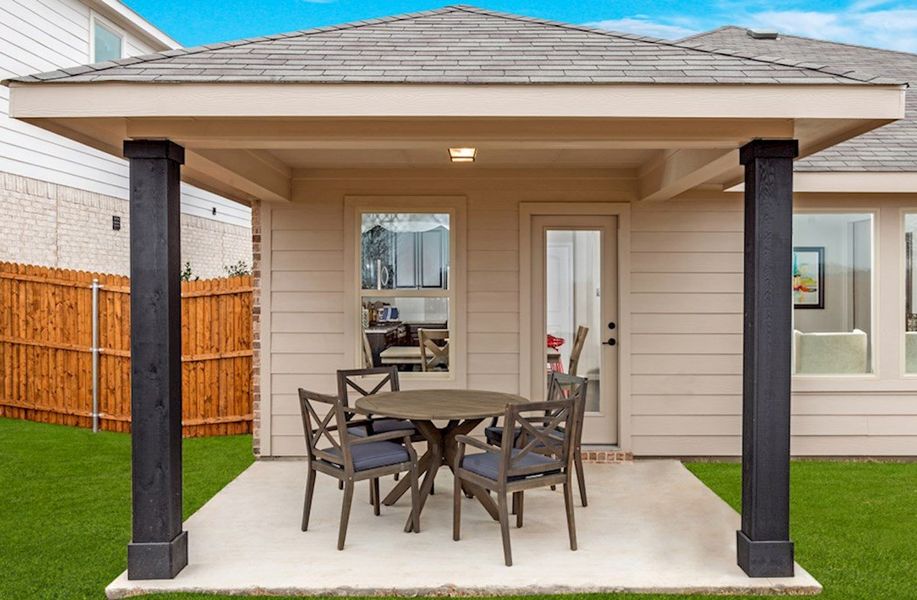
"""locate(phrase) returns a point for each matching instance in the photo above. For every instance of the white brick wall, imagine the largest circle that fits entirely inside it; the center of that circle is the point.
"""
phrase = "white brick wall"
(57, 226)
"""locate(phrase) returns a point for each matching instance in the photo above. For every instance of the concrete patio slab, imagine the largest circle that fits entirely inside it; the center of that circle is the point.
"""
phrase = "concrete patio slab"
(651, 526)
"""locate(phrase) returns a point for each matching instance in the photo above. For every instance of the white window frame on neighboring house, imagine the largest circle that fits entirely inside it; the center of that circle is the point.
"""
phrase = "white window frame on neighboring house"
(97, 19)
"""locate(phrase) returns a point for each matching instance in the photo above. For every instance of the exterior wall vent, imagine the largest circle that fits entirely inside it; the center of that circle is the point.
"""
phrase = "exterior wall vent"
(761, 34)
(116, 222)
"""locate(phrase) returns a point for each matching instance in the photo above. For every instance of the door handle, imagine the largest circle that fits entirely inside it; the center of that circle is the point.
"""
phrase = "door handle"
(610, 342)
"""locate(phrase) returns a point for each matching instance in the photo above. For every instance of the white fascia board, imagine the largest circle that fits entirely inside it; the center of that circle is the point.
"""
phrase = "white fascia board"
(114, 99)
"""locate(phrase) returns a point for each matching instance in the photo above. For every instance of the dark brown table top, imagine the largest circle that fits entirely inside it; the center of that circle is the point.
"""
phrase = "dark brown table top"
(430, 405)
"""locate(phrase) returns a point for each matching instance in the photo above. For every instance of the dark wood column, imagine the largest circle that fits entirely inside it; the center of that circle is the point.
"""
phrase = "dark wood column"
(764, 546)
(159, 547)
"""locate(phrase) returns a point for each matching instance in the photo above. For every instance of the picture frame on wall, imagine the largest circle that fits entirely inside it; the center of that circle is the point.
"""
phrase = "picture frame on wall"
(809, 277)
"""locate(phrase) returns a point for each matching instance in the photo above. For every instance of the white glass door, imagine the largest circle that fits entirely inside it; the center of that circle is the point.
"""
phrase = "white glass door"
(574, 277)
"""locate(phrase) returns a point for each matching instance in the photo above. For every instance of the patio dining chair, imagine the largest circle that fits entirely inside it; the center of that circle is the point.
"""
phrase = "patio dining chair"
(560, 386)
(359, 380)
(579, 341)
(366, 382)
(539, 459)
(433, 354)
(334, 450)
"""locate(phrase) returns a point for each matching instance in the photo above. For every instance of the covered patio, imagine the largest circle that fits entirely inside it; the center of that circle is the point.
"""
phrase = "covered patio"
(298, 146)
(651, 526)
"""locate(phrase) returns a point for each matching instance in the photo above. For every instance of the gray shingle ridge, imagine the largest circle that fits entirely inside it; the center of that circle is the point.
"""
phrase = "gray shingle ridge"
(150, 58)
(850, 75)
(888, 149)
(704, 34)
(700, 34)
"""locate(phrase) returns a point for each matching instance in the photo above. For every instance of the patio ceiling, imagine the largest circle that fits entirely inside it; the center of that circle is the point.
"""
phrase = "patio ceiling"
(249, 142)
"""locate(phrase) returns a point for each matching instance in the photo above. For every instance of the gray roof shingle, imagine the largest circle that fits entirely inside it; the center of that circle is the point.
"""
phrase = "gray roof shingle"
(456, 44)
(892, 148)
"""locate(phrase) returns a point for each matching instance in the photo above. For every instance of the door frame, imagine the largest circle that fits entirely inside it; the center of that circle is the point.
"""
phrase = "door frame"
(529, 210)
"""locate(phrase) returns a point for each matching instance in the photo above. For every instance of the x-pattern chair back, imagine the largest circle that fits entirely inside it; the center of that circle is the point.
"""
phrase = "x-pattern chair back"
(438, 354)
(360, 380)
(570, 387)
(538, 434)
(328, 428)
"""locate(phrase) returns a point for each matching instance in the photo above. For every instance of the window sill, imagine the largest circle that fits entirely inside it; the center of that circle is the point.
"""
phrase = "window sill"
(852, 384)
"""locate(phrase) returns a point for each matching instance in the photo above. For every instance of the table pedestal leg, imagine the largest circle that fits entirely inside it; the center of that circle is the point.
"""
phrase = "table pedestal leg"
(404, 485)
(434, 439)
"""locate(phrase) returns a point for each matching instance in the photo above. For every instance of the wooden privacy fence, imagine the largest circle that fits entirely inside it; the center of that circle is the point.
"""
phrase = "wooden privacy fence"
(46, 350)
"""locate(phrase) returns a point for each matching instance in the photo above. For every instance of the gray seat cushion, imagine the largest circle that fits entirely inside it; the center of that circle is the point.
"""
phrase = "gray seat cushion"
(375, 454)
(384, 426)
(487, 464)
(494, 434)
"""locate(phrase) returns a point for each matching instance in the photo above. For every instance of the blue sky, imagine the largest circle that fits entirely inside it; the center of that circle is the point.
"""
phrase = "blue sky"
(882, 23)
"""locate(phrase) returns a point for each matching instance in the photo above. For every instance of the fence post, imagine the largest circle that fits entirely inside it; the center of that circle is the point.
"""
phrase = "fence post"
(95, 354)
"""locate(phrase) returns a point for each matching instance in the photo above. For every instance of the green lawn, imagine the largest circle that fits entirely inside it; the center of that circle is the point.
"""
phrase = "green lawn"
(65, 501)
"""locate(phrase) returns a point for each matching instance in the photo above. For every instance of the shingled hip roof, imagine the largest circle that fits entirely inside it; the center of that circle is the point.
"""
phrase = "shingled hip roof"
(892, 148)
(457, 44)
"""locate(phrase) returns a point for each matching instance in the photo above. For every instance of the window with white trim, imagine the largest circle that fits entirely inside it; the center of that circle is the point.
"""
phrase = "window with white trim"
(832, 293)
(910, 293)
(107, 42)
(405, 293)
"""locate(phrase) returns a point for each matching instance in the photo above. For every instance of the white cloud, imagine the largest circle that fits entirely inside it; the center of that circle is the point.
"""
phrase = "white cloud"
(888, 24)
(892, 28)
(641, 25)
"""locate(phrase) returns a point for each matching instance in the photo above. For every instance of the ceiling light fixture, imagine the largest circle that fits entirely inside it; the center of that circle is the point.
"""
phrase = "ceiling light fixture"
(462, 155)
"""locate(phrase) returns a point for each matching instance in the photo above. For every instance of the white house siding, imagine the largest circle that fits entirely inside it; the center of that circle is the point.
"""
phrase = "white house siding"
(44, 35)
(686, 318)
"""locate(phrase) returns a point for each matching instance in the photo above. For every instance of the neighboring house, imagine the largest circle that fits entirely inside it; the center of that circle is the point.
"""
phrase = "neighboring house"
(60, 200)
(505, 179)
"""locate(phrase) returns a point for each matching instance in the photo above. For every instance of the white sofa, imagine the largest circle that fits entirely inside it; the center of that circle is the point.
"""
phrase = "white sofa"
(910, 352)
(834, 353)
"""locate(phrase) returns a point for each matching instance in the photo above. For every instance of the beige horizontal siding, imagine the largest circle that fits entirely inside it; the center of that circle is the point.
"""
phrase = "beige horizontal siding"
(687, 347)
(686, 322)
(308, 276)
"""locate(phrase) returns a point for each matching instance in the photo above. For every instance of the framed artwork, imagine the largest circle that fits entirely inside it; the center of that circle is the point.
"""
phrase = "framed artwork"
(809, 277)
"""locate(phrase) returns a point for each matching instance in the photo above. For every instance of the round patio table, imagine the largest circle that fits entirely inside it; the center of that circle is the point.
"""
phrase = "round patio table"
(462, 410)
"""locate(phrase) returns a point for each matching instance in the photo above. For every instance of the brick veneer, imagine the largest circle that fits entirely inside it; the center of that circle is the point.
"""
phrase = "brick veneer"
(53, 225)
(256, 327)
(607, 456)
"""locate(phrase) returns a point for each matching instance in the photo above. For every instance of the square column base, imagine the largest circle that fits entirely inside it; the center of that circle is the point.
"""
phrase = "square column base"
(765, 558)
(157, 560)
